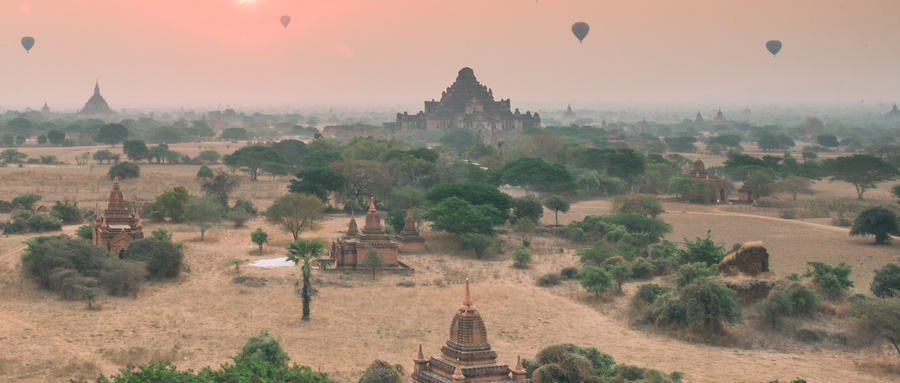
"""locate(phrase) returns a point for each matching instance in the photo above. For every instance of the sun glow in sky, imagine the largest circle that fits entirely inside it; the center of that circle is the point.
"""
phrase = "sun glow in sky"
(347, 52)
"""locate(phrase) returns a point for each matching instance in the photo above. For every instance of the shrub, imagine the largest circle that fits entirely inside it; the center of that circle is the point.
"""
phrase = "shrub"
(886, 283)
(788, 214)
(879, 318)
(381, 372)
(263, 347)
(791, 300)
(85, 232)
(521, 257)
(668, 309)
(478, 243)
(595, 280)
(205, 172)
(549, 279)
(246, 205)
(39, 223)
(702, 250)
(642, 268)
(569, 272)
(710, 304)
(26, 201)
(163, 258)
(620, 272)
(527, 207)
(125, 170)
(647, 293)
(833, 281)
(691, 272)
(123, 277)
(67, 212)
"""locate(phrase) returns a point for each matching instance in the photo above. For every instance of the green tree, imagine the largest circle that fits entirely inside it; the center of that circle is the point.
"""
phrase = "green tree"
(135, 150)
(860, 170)
(8, 139)
(527, 207)
(681, 185)
(828, 140)
(372, 261)
(474, 193)
(85, 232)
(209, 156)
(55, 136)
(710, 303)
(163, 258)
(595, 280)
(886, 283)
(171, 203)
(25, 201)
(293, 152)
(681, 144)
(296, 213)
(557, 204)
(769, 141)
(877, 221)
(382, 372)
(879, 318)
(254, 159)
(321, 158)
(124, 170)
(111, 134)
(220, 186)
(537, 174)
(42, 139)
(13, 156)
(204, 213)
(205, 172)
(457, 216)
(620, 272)
(68, 212)
(235, 134)
(318, 182)
(479, 243)
(259, 237)
(305, 251)
(795, 185)
(702, 250)
(364, 178)
(105, 155)
(761, 183)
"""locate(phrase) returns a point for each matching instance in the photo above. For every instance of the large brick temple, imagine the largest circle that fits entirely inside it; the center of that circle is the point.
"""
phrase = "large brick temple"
(467, 104)
(116, 228)
(467, 357)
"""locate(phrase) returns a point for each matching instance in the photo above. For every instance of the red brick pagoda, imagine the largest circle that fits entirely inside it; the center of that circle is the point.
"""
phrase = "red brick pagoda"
(116, 228)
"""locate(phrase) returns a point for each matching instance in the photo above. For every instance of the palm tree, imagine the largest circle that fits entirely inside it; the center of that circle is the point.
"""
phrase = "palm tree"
(305, 251)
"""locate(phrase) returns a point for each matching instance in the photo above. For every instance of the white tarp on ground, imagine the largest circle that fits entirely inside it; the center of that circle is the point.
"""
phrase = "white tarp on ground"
(275, 262)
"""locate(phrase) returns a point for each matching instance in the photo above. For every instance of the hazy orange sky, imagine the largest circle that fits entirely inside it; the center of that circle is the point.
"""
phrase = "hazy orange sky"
(202, 53)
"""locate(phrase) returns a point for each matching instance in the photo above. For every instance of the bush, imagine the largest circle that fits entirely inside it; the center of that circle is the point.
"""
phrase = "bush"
(163, 258)
(205, 172)
(647, 293)
(569, 272)
(549, 279)
(479, 243)
(265, 348)
(381, 372)
(833, 281)
(710, 304)
(702, 250)
(620, 272)
(642, 268)
(595, 280)
(26, 201)
(788, 214)
(39, 223)
(85, 232)
(68, 213)
(527, 207)
(125, 170)
(691, 272)
(886, 283)
(668, 309)
(521, 257)
(791, 300)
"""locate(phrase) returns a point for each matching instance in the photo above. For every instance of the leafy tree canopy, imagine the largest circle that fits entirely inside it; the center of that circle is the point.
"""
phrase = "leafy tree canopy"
(860, 170)
(538, 174)
(473, 193)
(458, 216)
(877, 221)
(253, 159)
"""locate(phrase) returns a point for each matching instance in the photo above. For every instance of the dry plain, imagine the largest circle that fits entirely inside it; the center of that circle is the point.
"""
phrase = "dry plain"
(203, 317)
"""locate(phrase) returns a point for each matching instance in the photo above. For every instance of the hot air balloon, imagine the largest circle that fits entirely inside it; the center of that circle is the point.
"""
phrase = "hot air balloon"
(773, 46)
(580, 29)
(27, 43)
(285, 20)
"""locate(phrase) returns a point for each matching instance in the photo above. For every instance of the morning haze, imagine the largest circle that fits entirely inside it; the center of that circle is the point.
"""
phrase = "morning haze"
(205, 52)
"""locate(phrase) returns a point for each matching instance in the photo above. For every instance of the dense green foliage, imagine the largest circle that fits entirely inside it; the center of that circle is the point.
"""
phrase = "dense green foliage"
(473, 193)
(886, 283)
(832, 281)
(382, 372)
(163, 258)
(457, 216)
(877, 221)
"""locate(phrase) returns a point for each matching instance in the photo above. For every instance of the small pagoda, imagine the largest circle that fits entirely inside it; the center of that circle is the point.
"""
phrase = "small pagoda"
(894, 112)
(467, 357)
(116, 228)
(721, 186)
(409, 241)
(348, 251)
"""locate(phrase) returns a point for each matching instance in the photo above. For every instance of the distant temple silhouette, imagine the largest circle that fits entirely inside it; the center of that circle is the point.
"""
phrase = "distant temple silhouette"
(467, 104)
(894, 112)
(569, 116)
(96, 105)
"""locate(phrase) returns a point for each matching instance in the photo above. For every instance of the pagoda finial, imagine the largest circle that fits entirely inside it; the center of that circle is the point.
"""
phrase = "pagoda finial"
(518, 362)
(467, 298)
(372, 204)
(421, 356)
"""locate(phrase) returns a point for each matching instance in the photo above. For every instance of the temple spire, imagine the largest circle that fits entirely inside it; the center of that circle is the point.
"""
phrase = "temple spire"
(467, 298)
(457, 374)
(421, 356)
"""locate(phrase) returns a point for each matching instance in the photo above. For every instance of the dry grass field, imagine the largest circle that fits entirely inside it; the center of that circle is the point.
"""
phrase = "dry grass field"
(203, 317)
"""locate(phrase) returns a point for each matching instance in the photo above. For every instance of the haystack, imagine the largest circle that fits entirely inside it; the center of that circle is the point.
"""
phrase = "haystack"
(751, 259)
